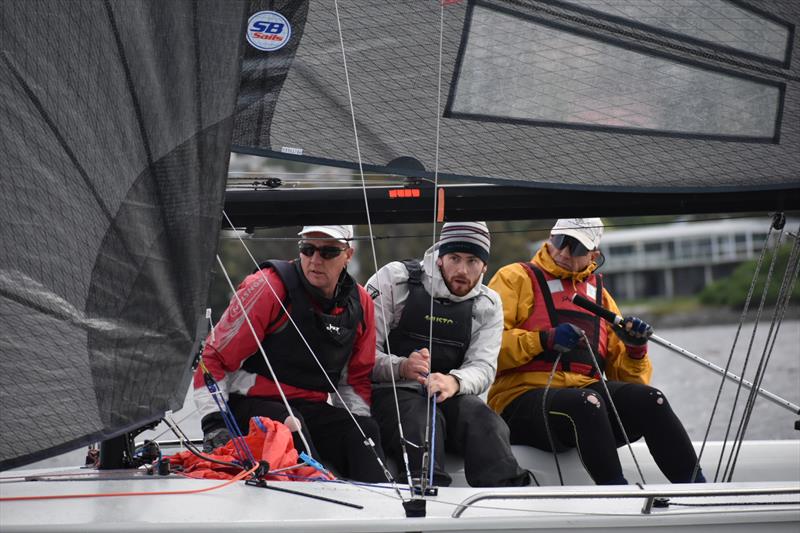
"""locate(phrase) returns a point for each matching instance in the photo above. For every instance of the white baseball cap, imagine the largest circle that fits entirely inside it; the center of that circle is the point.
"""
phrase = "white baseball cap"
(342, 233)
(588, 231)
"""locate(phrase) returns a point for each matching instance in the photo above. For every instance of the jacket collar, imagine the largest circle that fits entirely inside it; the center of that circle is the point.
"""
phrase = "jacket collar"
(344, 287)
(544, 260)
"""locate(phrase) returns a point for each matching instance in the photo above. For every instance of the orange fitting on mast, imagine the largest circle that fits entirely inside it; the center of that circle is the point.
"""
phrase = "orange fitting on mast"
(440, 208)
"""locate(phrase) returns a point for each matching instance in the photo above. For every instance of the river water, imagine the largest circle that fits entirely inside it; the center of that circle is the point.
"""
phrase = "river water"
(691, 388)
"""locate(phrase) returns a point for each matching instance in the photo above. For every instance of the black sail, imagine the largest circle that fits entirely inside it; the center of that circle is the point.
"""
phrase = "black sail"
(610, 101)
(116, 126)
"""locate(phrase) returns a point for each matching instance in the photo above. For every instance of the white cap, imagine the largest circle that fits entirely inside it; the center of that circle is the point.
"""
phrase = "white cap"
(588, 231)
(340, 233)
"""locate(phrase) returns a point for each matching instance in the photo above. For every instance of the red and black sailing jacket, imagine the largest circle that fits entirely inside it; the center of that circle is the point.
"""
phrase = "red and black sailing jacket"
(330, 336)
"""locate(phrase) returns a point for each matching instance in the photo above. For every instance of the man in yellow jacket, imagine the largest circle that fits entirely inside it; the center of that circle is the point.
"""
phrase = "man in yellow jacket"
(548, 339)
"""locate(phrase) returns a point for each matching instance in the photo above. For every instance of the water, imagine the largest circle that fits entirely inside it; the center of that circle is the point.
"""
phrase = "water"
(691, 388)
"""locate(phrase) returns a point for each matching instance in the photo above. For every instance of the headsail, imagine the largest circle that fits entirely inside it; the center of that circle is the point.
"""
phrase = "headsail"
(599, 98)
(115, 143)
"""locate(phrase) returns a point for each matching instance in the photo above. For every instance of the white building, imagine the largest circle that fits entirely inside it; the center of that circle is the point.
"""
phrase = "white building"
(678, 259)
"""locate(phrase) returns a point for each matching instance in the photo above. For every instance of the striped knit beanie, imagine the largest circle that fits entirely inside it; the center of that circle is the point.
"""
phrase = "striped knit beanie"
(465, 237)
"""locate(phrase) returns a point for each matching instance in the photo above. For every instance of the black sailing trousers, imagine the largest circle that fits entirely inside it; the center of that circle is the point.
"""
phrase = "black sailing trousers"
(582, 418)
(464, 425)
(333, 438)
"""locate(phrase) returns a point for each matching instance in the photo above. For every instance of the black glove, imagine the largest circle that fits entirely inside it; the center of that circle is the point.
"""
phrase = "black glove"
(561, 338)
(634, 331)
(215, 434)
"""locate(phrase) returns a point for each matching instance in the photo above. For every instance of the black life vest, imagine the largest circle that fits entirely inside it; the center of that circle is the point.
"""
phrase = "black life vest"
(452, 324)
(331, 337)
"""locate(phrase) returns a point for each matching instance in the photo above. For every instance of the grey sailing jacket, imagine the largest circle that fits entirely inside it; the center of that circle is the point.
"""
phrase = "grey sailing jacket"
(389, 289)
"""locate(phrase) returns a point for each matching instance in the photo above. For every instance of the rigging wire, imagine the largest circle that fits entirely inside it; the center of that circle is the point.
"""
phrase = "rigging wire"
(782, 302)
(431, 420)
(372, 245)
(749, 349)
(742, 318)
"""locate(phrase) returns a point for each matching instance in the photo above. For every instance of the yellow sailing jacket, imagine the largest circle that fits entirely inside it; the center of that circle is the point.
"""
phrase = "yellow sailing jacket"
(520, 346)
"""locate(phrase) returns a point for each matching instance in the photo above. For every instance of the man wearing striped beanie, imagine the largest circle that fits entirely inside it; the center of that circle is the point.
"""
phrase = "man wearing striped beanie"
(441, 337)
(457, 242)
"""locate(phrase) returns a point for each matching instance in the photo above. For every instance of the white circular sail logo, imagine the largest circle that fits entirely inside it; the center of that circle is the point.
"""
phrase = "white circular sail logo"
(268, 31)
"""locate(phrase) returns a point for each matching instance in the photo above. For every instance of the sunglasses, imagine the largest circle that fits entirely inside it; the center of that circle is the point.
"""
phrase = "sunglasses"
(325, 252)
(576, 249)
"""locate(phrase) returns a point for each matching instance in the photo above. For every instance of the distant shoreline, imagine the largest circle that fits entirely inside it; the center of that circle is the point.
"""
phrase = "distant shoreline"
(704, 316)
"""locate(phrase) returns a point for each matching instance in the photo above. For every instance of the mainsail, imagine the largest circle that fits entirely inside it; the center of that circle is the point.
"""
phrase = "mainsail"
(115, 144)
(618, 102)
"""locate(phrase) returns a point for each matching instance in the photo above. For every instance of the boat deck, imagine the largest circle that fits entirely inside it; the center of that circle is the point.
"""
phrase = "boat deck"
(741, 505)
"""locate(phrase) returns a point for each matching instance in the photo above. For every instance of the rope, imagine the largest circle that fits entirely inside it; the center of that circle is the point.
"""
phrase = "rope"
(432, 459)
(614, 408)
(546, 418)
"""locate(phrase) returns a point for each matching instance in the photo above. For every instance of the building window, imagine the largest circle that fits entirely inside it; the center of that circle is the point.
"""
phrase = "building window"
(703, 248)
(741, 244)
(671, 250)
(725, 246)
(620, 250)
(685, 249)
(759, 241)
(653, 247)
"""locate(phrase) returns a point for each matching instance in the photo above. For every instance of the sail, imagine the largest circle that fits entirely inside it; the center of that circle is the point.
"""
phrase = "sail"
(611, 97)
(117, 121)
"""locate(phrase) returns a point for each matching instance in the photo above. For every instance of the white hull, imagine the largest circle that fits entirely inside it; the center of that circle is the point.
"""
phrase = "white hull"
(238, 507)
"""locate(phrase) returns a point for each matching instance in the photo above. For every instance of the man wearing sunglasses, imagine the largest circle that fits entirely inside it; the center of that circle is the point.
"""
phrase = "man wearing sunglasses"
(331, 316)
(545, 358)
(442, 295)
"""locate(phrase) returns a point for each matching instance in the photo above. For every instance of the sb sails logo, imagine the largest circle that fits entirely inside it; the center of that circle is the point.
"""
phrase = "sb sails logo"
(268, 31)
